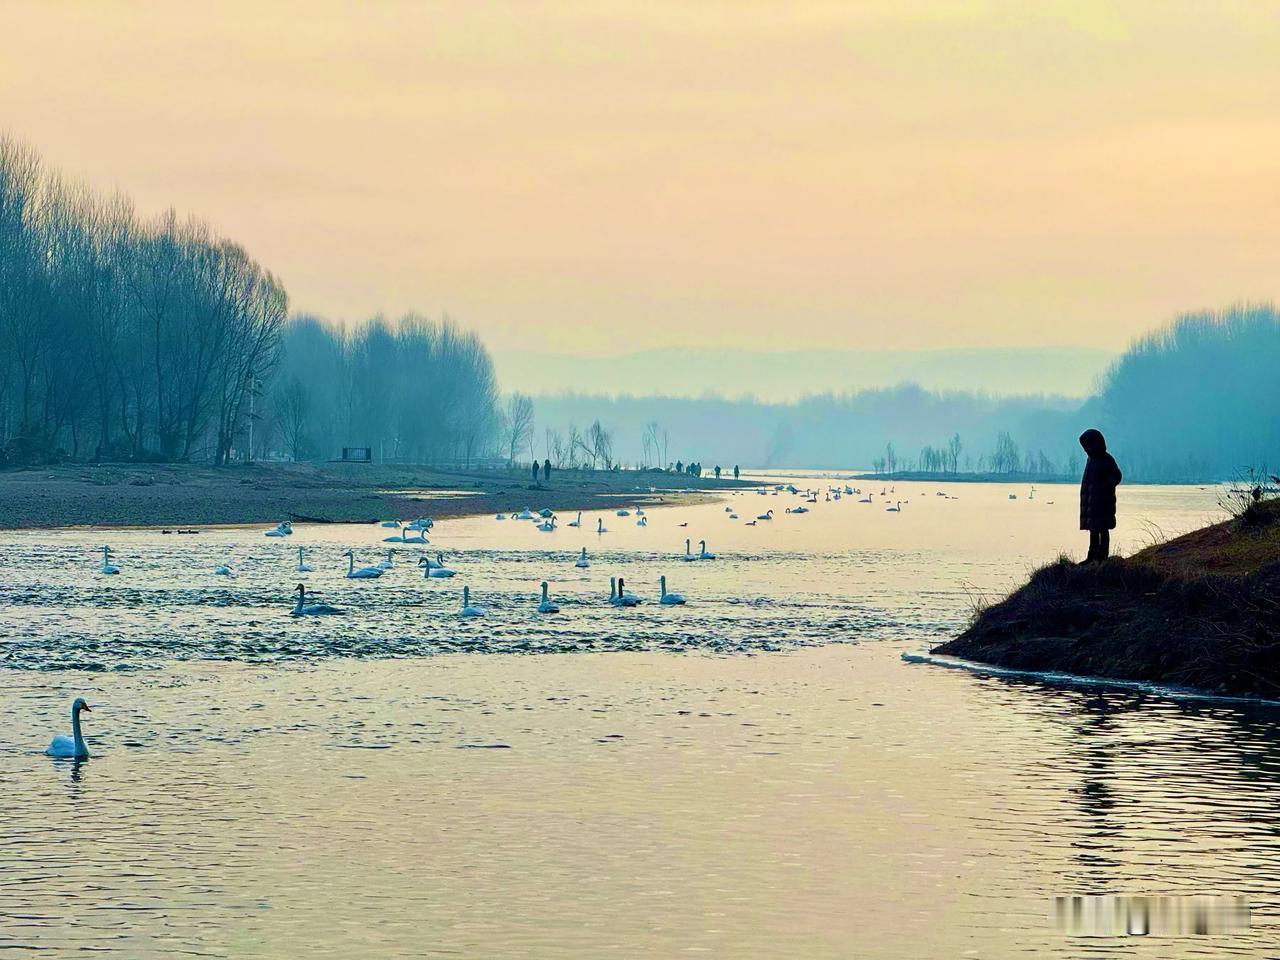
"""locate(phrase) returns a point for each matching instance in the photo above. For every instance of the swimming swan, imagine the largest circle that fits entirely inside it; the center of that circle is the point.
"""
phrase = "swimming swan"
(304, 609)
(547, 606)
(364, 573)
(222, 570)
(71, 747)
(768, 515)
(107, 565)
(304, 567)
(668, 599)
(897, 509)
(583, 562)
(600, 526)
(703, 555)
(282, 529)
(467, 609)
(618, 598)
(578, 522)
(433, 570)
(688, 553)
(388, 563)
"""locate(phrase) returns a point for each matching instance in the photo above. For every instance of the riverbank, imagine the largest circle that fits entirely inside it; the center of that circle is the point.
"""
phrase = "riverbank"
(131, 495)
(1199, 611)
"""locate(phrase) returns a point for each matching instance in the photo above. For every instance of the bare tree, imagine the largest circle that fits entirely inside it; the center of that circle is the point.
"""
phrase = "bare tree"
(517, 424)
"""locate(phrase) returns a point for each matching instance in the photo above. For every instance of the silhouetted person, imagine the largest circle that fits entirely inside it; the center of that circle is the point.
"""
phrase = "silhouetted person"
(1098, 495)
(535, 471)
(717, 471)
(679, 466)
(546, 469)
(735, 471)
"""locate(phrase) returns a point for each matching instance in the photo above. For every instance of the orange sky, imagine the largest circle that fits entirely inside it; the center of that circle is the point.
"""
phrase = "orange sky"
(603, 176)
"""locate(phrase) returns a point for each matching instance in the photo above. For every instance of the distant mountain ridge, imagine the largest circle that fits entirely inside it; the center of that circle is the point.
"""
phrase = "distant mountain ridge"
(788, 375)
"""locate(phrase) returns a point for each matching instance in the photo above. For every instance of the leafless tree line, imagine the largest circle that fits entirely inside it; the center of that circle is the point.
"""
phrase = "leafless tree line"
(120, 337)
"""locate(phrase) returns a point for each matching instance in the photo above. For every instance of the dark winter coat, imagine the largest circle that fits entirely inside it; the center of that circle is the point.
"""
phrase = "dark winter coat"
(1098, 486)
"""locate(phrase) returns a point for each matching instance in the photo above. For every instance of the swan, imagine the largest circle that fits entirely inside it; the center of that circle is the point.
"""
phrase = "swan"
(546, 512)
(467, 609)
(304, 609)
(436, 571)
(894, 509)
(107, 565)
(766, 516)
(583, 562)
(600, 526)
(624, 512)
(728, 509)
(436, 564)
(639, 512)
(618, 598)
(704, 555)
(688, 552)
(578, 522)
(404, 538)
(501, 516)
(548, 526)
(304, 567)
(222, 570)
(797, 510)
(866, 499)
(547, 606)
(642, 522)
(422, 523)
(750, 523)
(394, 524)
(668, 599)
(364, 573)
(282, 529)
(388, 563)
(524, 514)
(71, 747)
(733, 516)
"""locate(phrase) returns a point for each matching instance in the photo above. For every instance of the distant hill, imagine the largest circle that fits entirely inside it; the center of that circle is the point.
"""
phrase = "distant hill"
(788, 375)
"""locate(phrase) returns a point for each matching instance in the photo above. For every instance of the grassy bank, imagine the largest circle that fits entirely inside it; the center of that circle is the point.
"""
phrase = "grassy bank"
(1201, 611)
(190, 495)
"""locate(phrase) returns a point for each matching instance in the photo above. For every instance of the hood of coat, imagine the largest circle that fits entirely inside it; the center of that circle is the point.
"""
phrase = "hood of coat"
(1093, 442)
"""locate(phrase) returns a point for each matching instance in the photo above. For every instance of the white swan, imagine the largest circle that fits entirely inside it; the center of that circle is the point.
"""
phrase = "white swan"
(107, 565)
(583, 562)
(866, 499)
(546, 512)
(577, 522)
(222, 570)
(703, 555)
(524, 514)
(304, 609)
(894, 509)
(547, 606)
(624, 512)
(467, 609)
(767, 515)
(668, 599)
(688, 552)
(282, 529)
(639, 512)
(600, 526)
(388, 563)
(430, 564)
(304, 567)
(642, 522)
(797, 509)
(501, 516)
(422, 523)
(438, 571)
(364, 573)
(403, 537)
(548, 525)
(71, 747)
(618, 598)
(394, 524)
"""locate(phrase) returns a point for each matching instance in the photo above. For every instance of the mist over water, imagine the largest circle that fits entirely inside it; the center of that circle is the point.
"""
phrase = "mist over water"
(755, 774)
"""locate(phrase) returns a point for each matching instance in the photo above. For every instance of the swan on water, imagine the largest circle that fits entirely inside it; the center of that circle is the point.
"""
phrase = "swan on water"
(894, 509)
(577, 522)
(548, 525)
(524, 514)
(501, 516)
(703, 555)
(618, 598)
(642, 522)
(600, 526)
(467, 609)
(403, 537)
(304, 609)
(422, 523)
(624, 512)
(388, 563)
(302, 566)
(797, 509)
(433, 570)
(767, 515)
(364, 573)
(688, 552)
(107, 565)
(546, 512)
(866, 499)
(72, 747)
(639, 512)
(395, 524)
(733, 516)
(222, 570)
(583, 562)
(436, 564)
(282, 529)
(547, 606)
(668, 599)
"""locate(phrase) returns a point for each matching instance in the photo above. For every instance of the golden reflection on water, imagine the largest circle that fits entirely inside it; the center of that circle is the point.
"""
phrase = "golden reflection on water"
(828, 801)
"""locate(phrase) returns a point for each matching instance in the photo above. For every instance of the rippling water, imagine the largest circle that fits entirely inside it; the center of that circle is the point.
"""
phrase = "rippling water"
(755, 774)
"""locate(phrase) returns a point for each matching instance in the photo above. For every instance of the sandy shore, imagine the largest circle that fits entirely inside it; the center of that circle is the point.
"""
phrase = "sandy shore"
(190, 495)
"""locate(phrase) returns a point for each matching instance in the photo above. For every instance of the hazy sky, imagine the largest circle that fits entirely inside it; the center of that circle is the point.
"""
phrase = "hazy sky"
(605, 176)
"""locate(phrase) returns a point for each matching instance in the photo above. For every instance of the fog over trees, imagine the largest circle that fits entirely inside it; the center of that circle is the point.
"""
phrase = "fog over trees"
(123, 338)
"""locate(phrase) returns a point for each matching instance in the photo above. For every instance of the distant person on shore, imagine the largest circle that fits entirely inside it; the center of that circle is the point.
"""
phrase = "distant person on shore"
(546, 469)
(535, 471)
(1098, 495)
(717, 471)
(735, 471)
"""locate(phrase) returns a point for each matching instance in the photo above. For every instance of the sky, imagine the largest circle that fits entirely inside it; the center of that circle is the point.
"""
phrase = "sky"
(600, 177)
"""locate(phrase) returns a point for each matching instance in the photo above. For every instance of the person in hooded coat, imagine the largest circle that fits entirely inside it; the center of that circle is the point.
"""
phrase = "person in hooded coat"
(1098, 494)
